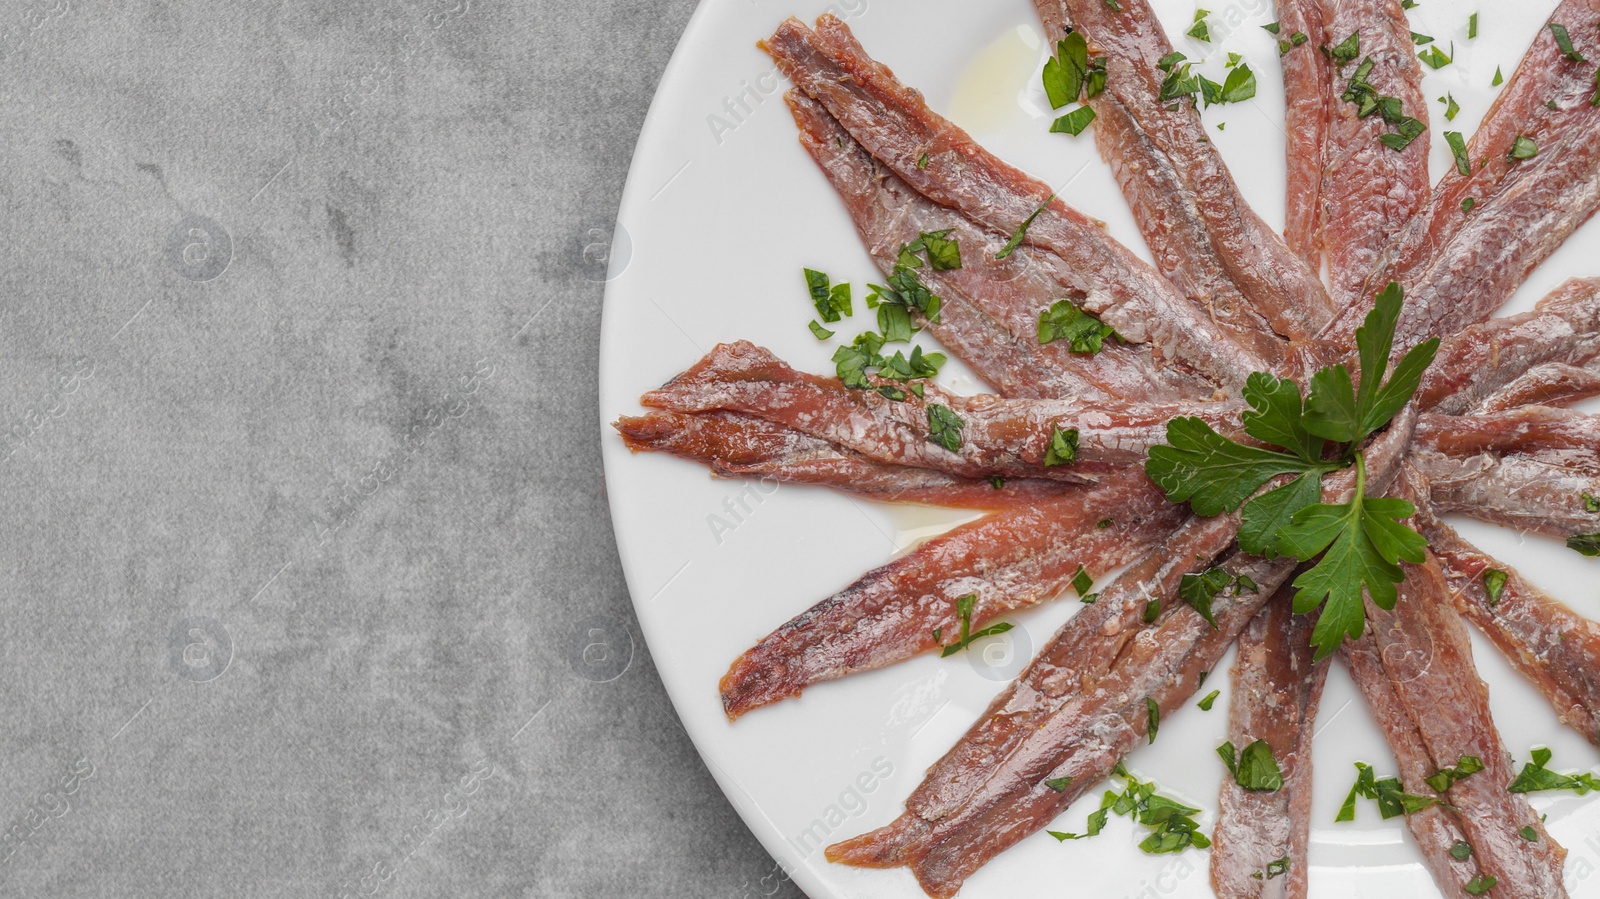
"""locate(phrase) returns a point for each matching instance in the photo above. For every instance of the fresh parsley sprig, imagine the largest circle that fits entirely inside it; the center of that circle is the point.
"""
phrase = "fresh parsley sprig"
(1362, 541)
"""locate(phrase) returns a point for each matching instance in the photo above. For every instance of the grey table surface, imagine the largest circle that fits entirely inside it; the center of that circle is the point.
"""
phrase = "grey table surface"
(306, 523)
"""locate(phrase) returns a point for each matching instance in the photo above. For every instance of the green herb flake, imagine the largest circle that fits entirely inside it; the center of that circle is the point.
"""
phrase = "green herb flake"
(1198, 590)
(1461, 850)
(1346, 50)
(1467, 204)
(1480, 885)
(1210, 700)
(1152, 718)
(1152, 610)
(922, 161)
(1420, 39)
(1472, 26)
(889, 391)
(1255, 769)
(1494, 583)
(1073, 122)
(1022, 229)
(1199, 31)
(1587, 544)
(1529, 834)
(1083, 332)
(1591, 503)
(1498, 78)
(1445, 778)
(1064, 73)
(1458, 149)
(830, 301)
(1536, 778)
(1271, 28)
(1564, 41)
(1523, 148)
(1063, 448)
(964, 607)
(944, 427)
(1081, 582)
(818, 331)
(1434, 58)
(1451, 107)
(1059, 784)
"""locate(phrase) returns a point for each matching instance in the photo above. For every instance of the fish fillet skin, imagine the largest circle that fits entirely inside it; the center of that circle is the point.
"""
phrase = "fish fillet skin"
(1515, 491)
(1205, 238)
(742, 446)
(1549, 384)
(1435, 829)
(1079, 705)
(1484, 358)
(1368, 190)
(998, 436)
(991, 307)
(893, 123)
(1555, 648)
(1525, 429)
(1458, 267)
(1277, 685)
(1423, 650)
(1008, 560)
(1308, 112)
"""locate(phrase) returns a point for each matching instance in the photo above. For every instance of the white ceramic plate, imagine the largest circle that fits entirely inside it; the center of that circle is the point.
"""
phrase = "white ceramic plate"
(722, 210)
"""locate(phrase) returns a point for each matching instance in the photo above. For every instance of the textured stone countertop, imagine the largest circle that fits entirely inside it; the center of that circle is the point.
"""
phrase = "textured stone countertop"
(297, 374)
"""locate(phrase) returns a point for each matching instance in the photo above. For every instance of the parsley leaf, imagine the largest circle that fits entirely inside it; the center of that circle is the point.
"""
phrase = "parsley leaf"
(1523, 148)
(1472, 26)
(1346, 50)
(1152, 718)
(1564, 41)
(1063, 449)
(830, 301)
(1064, 73)
(1059, 784)
(1210, 472)
(1391, 797)
(1458, 149)
(1535, 777)
(1254, 769)
(1239, 86)
(1498, 78)
(1494, 583)
(1210, 700)
(1198, 590)
(1451, 107)
(1362, 543)
(1480, 885)
(1075, 121)
(1461, 850)
(1591, 503)
(818, 331)
(1200, 32)
(964, 610)
(1435, 58)
(1081, 582)
(944, 427)
(1268, 514)
(1443, 779)
(1022, 229)
(1587, 544)
(1082, 331)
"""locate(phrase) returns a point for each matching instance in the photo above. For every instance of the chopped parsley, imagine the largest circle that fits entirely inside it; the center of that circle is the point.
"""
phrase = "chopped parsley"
(1152, 610)
(1472, 26)
(819, 331)
(1254, 769)
(1494, 583)
(1461, 850)
(1368, 102)
(922, 161)
(1275, 868)
(1059, 784)
(944, 427)
(1346, 50)
(1467, 204)
(1391, 797)
(1073, 122)
(1591, 503)
(1529, 834)
(1498, 78)
(1523, 148)
(1210, 700)
(1420, 39)
(1564, 41)
(830, 301)
(1082, 331)
(1434, 58)
(1536, 778)
(943, 253)
(1294, 40)
(1063, 448)
(1152, 718)
(1361, 542)
(1451, 107)
(1458, 149)
(1022, 229)
(1445, 778)
(1081, 582)
(1480, 885)
(1171, 823)
(964, 610)
(1199, 31)
(1065, 72)
(1587, 544)
(1198, 590)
